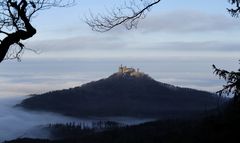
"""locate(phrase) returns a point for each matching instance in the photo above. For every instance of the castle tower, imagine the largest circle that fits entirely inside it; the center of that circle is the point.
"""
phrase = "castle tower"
(120, 69)
(137, 69)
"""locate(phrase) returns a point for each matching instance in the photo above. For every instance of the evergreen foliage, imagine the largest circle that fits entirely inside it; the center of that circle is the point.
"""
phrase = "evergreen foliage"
(233, 82)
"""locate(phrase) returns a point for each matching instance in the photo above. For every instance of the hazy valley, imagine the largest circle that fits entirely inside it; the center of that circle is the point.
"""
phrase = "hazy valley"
(121, 97)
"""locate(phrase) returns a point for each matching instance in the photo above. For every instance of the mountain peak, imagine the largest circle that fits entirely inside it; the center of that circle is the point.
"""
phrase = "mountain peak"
(128, 92)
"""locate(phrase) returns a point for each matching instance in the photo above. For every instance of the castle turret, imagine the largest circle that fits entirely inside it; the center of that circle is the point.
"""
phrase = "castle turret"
(120, 69)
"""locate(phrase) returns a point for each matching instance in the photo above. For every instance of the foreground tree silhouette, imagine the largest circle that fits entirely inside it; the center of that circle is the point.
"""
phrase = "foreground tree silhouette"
(232, 78)
(236, 10)
(232, 85)
(15, 23)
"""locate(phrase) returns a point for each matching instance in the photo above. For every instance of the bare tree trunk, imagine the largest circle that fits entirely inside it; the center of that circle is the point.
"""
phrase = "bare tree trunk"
(14, 38)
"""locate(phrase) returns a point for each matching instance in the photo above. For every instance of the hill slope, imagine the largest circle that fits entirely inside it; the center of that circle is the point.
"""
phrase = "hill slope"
(122, 95)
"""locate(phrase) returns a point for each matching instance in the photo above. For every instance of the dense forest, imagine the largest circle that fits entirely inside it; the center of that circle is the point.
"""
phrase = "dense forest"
(221, 127)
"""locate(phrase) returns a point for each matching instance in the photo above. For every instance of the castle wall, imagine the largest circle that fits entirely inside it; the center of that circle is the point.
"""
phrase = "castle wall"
(127, 70)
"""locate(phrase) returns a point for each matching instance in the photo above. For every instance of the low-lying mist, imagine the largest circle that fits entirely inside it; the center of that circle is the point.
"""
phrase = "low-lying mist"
(17, 123)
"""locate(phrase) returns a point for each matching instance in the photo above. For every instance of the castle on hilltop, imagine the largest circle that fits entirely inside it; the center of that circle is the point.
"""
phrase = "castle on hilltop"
(129, 71)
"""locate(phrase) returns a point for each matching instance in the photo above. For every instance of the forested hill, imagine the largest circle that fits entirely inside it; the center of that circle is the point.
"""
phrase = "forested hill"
(121, 94)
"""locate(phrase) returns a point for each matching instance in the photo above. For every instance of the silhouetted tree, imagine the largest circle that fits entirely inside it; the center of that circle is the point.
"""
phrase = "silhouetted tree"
(131, 12)
(234, 11)
(15, 23)
(232, 85)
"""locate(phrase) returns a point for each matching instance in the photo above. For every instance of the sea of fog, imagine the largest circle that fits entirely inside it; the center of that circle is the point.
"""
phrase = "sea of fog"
(17, 123)
(18, 79)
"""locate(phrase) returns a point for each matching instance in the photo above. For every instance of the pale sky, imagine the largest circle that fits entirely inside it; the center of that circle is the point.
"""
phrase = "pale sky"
(178, 41)
(171, 23)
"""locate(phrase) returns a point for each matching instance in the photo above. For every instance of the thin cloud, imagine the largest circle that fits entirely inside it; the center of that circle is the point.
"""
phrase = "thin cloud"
(76, 43)
(103, 48)
(211, 46)
(187, 21)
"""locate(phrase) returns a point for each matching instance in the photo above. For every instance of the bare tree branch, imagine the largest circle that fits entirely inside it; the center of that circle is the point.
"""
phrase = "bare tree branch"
(129, 15)
(15, 23)
(132, 12)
